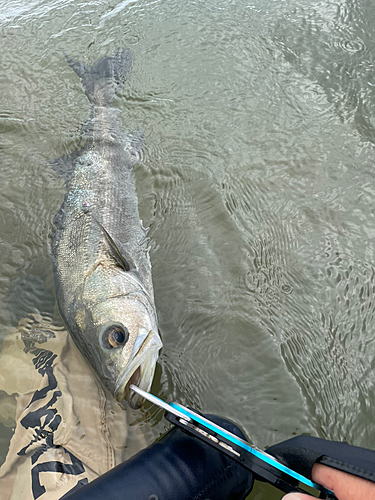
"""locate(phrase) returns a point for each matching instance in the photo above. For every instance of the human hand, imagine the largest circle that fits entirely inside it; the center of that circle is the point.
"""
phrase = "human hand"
(345, 486)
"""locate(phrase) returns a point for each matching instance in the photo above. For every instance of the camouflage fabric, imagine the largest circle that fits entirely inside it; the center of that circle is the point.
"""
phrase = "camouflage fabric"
(68, 429)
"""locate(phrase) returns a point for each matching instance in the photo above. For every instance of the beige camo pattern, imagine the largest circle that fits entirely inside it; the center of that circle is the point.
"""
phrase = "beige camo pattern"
(93, 425)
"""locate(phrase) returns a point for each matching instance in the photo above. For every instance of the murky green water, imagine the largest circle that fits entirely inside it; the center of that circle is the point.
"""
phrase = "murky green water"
(257, 182)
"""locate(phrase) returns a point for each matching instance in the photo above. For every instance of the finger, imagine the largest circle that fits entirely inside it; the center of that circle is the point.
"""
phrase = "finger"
(297, 496)
(345, 486)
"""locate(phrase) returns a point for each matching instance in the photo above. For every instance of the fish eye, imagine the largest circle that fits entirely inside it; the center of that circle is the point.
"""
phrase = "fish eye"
(115, 336)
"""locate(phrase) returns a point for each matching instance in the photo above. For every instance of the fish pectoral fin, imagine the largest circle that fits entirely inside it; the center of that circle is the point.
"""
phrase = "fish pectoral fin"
(125, 262)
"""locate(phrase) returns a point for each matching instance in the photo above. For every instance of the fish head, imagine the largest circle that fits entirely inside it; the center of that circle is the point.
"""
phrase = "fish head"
(122, 344)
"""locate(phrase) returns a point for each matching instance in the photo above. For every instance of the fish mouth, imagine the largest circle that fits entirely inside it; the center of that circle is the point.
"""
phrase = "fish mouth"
(139, 371)
(131, 397)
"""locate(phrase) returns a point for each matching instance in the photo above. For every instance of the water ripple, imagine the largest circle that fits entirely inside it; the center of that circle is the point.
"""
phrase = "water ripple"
(256, 181)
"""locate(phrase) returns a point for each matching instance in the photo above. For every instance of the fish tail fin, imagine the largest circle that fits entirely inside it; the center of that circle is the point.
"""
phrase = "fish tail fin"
(106, 77)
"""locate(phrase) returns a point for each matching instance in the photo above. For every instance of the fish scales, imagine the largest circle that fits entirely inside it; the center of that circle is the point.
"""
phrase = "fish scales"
(101, 263)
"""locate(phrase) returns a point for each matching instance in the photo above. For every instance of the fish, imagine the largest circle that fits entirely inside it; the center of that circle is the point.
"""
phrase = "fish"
(99, 247)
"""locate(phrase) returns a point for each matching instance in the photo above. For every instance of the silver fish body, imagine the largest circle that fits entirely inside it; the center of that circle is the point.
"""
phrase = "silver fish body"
(102, 270)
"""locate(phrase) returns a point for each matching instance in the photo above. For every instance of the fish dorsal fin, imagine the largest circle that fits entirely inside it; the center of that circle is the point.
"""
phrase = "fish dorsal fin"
(126, 263)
